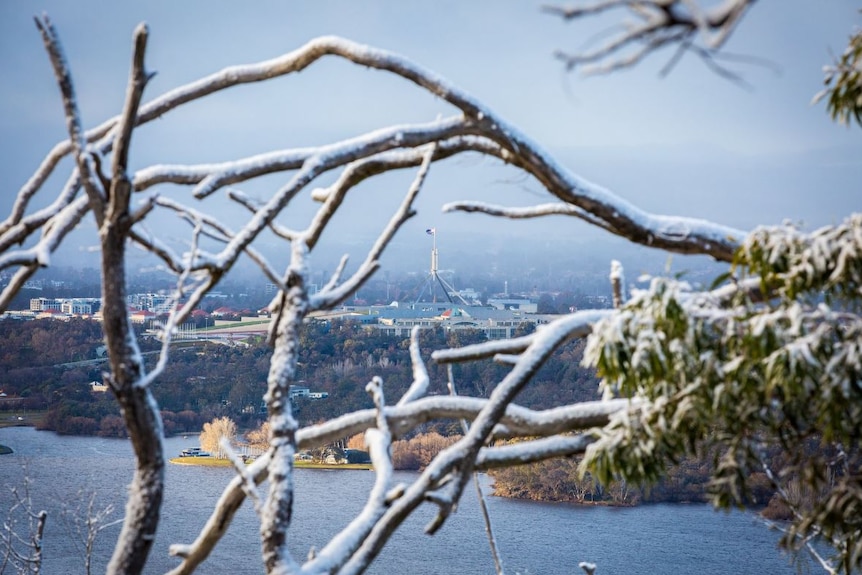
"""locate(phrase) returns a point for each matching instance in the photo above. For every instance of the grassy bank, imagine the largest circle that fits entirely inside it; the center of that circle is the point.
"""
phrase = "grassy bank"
(21, 418)
(201, 461)
(214, 462)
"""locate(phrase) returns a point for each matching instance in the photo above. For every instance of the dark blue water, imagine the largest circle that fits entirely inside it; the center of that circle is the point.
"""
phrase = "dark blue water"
(534, 538)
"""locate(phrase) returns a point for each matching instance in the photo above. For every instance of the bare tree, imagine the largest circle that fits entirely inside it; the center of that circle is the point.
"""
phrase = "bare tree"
(259, 438)
(214, 432)
(85, 521)
(22, 532)
(625, 346)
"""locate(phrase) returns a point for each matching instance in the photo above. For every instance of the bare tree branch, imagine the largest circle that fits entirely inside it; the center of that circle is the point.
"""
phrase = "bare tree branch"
(537, 211)
(483, 506)
(73, 120)
(657, 23)
(676, 234)
(473, 128)
(19, 232)
(453, 466)
(139, 409)
(419, 387)
(516, 422)
(328, 298)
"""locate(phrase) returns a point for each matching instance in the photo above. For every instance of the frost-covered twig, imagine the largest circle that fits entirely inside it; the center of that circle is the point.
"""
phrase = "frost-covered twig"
(807, 542)
(658, 23)
(214, 229)
(533, 450)
(537, 211)
(379, 440)
(483, 505)
(618, 284)
(30, 260)
(17, 233)
(516, 422)
(247, 479)
(245, 201)
(454, 465)
(96, 191)
(21, 546)
(330, 297)
(483, 350)
(216, 526)
(419, 387)
(84, 522)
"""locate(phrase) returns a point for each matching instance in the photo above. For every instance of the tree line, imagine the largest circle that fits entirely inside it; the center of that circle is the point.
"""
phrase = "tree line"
(204, 381)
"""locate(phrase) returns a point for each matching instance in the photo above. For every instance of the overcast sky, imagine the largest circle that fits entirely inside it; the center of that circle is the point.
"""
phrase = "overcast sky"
(691, 143)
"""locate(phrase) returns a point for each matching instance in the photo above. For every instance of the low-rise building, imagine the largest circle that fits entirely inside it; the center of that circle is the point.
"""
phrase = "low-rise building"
(98, 387)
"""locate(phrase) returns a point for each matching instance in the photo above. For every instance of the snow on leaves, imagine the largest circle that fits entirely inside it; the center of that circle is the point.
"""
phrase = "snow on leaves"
(776, 366)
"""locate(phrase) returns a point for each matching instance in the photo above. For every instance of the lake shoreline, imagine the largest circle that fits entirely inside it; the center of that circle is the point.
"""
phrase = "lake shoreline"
(532, 536)
(215, 462)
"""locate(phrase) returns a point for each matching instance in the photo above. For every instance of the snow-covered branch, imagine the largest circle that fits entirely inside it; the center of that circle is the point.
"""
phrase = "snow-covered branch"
(537, 211)
(326, 299)
(534, 450)
(96, 191)
(419, 387)
(517, 421)
(30, 260)
(495, 137)
(668, 354)
(109, 202)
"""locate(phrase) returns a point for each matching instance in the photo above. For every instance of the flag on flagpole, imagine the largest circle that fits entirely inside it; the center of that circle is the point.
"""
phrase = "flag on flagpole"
(431, 231)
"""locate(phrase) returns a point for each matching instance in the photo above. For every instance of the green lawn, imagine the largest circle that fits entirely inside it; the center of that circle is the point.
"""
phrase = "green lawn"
(202, 461)
(20, 418)
(214, 462)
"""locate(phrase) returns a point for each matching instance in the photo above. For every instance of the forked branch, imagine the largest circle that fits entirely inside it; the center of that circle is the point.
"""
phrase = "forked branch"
(656, 24)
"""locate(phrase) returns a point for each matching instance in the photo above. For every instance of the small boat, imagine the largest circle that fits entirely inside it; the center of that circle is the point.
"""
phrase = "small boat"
(195, 452)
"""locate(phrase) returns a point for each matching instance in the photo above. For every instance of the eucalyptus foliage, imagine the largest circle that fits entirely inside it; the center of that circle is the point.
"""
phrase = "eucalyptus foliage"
(843, 80)
(768, 363)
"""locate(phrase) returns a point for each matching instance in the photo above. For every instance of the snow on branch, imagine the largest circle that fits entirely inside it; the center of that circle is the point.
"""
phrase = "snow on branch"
(533, 450)
(596, 204)
(289, 63)
(579, 326)
(482, 350)
(419, 387)
(95, 190)
(474, 128)
(537, 211)
(17, 233)
(443, 480)
(216, 526)
(379, 440)
(30, 260)
(517, 421)
(328, 298)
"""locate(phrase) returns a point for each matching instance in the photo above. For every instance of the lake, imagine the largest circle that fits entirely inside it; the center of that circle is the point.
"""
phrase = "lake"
(533, 538)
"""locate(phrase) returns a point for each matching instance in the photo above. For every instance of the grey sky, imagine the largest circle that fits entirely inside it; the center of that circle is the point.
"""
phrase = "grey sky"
(690, 144)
